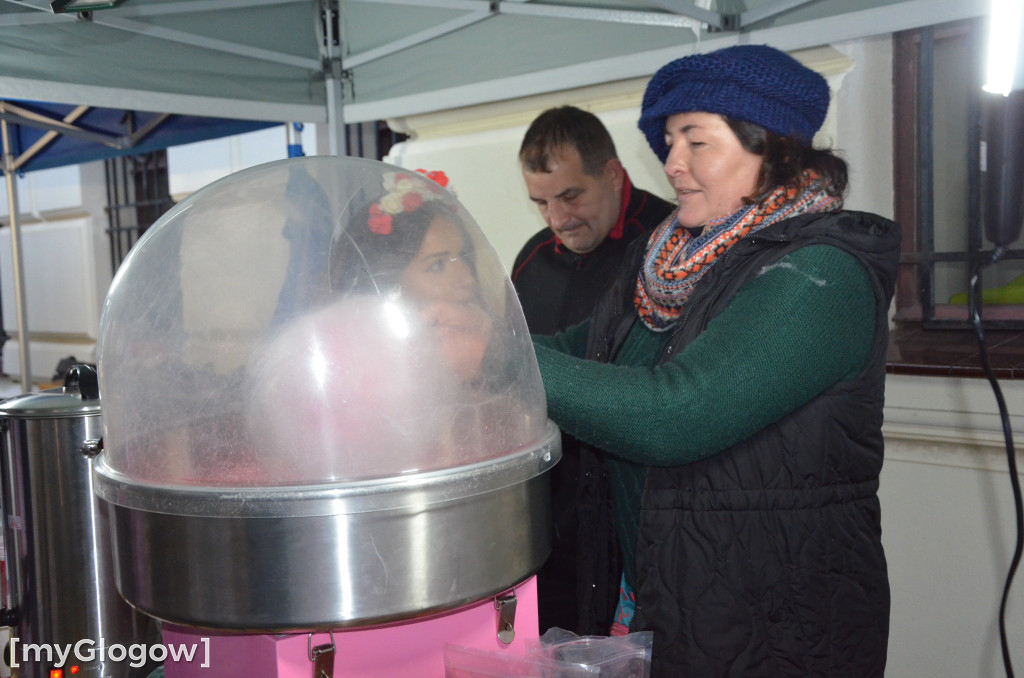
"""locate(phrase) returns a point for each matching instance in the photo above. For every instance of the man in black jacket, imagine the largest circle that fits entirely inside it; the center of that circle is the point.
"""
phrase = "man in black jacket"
(593, 212)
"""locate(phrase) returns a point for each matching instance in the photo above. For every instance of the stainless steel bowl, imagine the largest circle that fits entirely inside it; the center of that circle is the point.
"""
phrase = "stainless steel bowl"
(330, 556)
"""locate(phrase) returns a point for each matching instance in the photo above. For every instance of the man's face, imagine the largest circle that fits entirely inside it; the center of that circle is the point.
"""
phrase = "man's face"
(580, 209)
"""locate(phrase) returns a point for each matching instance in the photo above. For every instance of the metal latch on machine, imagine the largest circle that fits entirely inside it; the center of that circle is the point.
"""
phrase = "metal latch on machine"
(322, 657)
(505, 604)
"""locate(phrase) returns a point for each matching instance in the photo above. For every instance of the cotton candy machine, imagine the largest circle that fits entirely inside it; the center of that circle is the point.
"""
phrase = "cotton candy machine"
(321, 406)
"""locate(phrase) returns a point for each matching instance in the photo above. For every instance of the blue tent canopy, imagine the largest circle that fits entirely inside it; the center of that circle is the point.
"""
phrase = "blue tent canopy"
(46, 135)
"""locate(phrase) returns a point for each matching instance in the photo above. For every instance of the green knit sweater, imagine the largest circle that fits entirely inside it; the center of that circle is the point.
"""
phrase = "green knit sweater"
(804, 324)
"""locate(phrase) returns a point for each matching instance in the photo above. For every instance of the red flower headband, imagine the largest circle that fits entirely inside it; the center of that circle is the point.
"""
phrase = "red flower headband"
(403, 193)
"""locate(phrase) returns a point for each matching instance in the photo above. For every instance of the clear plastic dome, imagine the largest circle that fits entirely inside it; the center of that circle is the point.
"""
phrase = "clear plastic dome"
(314, 320)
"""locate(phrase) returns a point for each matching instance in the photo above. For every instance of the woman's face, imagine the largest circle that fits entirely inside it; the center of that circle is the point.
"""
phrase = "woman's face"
(439, 271)
(443, 284)
(707, 166)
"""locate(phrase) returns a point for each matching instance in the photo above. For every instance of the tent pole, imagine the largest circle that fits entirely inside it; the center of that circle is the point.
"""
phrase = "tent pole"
(330, 55)
(335, 118)
(16, 257)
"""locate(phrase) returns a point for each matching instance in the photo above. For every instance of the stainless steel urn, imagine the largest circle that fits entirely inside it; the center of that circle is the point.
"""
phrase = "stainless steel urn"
(56, 533)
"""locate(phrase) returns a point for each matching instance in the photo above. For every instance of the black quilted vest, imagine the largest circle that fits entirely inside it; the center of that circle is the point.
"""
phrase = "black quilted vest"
(765, 559)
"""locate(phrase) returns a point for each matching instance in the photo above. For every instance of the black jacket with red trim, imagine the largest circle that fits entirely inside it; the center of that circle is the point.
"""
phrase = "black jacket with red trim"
(557, 287)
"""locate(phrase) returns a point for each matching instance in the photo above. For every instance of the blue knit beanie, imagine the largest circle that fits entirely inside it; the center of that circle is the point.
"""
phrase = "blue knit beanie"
(755, 83)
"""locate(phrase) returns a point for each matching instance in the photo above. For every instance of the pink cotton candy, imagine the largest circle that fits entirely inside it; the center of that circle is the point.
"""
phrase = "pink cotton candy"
(355, 390)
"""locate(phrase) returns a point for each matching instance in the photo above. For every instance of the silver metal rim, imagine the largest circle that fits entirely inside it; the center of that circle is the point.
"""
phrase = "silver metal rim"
(360, 496)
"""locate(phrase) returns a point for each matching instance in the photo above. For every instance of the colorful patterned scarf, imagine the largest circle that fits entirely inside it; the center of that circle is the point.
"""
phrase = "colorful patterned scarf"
(675, 260)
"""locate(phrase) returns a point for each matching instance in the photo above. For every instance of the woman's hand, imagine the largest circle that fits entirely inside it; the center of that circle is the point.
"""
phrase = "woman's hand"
(464, 330)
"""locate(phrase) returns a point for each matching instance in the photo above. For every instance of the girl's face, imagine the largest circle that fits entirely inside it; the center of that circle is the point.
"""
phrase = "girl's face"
(440, 271)
(443, 283)
(707, 166)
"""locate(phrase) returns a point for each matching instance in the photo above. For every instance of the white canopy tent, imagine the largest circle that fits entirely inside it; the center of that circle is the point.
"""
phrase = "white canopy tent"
(303, 60)
(336, 61)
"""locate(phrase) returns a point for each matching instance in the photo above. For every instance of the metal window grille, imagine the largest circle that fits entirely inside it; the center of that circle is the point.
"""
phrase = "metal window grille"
(138, 192)
(939, 179)
(370, 139)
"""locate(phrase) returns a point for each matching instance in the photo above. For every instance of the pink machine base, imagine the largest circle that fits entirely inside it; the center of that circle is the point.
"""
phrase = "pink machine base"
(414, 648)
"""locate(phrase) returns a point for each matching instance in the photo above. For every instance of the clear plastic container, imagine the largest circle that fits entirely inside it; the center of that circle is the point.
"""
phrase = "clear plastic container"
(309, 321)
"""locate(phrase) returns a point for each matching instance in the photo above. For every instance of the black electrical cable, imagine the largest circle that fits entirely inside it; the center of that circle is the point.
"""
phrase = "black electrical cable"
(975, 309)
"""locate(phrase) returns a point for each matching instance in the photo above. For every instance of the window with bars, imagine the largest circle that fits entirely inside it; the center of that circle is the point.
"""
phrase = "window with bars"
(938, 125)
(138, 192)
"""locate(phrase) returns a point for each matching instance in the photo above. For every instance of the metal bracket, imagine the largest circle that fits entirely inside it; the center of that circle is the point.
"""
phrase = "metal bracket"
(92, 447)
(332, 68)
(322, 657)
(505, 604)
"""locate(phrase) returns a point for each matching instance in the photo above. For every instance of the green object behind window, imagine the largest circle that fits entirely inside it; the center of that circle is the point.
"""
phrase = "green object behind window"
(1010, 293)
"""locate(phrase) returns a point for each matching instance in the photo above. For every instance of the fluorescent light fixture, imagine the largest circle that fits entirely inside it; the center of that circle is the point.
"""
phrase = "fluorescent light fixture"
(1003, 46)
(62, 6)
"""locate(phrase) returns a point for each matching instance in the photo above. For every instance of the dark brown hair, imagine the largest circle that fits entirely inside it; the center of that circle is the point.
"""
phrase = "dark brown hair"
(368, 262)
(785, 159)
(567, 126)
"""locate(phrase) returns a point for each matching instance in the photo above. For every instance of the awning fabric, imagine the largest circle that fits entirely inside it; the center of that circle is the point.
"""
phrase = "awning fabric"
(290, 60)
(46, 135)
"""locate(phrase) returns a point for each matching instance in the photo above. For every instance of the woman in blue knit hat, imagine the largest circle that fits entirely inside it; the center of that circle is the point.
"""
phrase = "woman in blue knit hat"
(730, 389)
